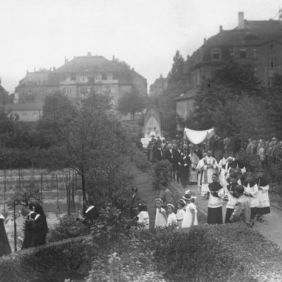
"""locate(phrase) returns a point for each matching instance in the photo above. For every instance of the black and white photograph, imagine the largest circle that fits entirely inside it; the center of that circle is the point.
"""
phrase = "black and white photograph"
(141, 141)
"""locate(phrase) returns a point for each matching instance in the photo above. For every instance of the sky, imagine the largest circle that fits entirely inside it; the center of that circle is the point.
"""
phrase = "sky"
(144, 33)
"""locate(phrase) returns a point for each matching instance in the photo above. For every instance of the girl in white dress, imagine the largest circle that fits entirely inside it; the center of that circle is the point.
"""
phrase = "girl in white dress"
(161, 218)
(171, 219)
(190, 211)
(263, 197)
(143, 217)
(180, 212)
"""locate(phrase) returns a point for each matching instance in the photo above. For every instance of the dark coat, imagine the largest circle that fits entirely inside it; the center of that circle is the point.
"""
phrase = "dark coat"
(4, 242)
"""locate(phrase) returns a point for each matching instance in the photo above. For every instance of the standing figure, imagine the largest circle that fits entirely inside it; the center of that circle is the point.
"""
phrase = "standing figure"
(143, 217)
(231, 197)
(171, 218)
(185, 167)
(215, 203)
(29, 234)
(5, 248)
(40, 226)
(251, 191)
(190, 211)
(263, 197)
(208, 167)
(161, 218)
(180, 212)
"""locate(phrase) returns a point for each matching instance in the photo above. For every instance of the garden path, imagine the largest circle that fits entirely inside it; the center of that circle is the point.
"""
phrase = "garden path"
(271, 227)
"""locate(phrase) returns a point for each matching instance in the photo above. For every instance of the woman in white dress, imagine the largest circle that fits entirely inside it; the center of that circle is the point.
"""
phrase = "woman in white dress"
(161, 218)
(171, 218)
(190, 211)
(180, 212)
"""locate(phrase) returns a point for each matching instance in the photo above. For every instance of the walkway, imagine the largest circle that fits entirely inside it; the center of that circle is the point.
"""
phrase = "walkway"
(271, 228)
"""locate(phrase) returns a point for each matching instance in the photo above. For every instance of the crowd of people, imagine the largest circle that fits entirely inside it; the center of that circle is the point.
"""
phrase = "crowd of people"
(221, 179)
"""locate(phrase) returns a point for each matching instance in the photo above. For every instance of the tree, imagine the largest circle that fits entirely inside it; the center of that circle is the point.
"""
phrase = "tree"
(233, 103)
(131, 103)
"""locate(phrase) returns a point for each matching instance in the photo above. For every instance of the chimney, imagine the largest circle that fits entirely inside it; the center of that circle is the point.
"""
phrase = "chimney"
(220, 28)
(241, 21)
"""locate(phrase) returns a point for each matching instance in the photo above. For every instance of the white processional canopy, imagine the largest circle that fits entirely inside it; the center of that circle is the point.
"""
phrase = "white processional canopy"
(198, 136)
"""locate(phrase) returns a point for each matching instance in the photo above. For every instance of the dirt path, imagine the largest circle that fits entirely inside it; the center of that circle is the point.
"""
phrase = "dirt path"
(271, 228)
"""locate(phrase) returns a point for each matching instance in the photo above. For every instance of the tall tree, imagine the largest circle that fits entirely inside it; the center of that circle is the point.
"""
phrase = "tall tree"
(233, 103)
(131, 103)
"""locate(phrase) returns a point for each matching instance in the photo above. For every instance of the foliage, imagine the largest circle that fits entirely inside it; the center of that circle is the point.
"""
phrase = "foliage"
(131, 103)
(53, 262)
(68, 227)
(233, 103)
(162, 174)
(217, 253)
(112, 226)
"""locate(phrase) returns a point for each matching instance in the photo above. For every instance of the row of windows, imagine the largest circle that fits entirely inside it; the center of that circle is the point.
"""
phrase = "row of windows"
(98, 77)
(242, 53)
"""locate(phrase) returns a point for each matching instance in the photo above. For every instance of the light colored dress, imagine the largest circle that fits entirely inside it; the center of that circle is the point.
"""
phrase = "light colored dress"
(179, 216)
(171, 219)
(160, 220)
(188, 217)
(143, 219)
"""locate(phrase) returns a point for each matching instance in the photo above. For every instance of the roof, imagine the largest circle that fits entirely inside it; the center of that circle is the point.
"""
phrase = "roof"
(86, 64)
(24, 107)
(255, 32)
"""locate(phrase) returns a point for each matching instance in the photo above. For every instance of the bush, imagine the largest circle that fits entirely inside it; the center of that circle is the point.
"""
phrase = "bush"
(162, 174)
(140, 160)
(68, 227)
(53, 262)
(217, 253)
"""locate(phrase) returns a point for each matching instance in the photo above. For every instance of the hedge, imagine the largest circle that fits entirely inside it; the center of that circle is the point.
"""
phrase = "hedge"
(57, 261)
(224, 253)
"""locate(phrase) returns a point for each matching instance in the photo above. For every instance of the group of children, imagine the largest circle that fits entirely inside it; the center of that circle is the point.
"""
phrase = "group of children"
(246, 195)
(185, 216)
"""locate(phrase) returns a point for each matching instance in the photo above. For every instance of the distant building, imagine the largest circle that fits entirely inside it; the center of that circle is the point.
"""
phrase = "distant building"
(254, 43)
(76, 78)
(158, 87)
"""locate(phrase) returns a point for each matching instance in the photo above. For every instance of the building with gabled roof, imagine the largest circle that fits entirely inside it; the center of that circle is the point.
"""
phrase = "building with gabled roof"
(78, 77)
(256, 43)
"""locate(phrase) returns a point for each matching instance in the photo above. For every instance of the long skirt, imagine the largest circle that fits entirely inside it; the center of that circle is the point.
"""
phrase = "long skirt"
(214, 215)
(228, 215)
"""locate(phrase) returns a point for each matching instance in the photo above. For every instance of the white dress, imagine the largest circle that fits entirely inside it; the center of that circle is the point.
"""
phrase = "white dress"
(143, 219)
(263, 197)
(179, 216)
(171, 219)
(187, 220)
(160, 220)
(253, 191)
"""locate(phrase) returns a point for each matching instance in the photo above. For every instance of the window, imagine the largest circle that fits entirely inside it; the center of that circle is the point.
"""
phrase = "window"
(73, 77)
(104, 76)
(216, 54)
(243, 53)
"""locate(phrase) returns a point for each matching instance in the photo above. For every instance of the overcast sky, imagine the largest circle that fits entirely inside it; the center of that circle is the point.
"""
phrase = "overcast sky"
(144, 33)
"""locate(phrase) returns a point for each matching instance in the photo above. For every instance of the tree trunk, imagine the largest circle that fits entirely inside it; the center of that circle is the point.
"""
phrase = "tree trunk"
(83, 190)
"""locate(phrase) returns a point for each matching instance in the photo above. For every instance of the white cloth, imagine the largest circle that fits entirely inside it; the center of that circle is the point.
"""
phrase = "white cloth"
(263, 197)
(252, 193)
(198, 136)
(216, 202)
(231, 201)
(188, 216)
(160, 220)
(171, 219)
(143, 219)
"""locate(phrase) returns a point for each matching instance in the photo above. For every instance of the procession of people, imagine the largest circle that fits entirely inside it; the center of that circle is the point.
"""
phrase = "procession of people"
(233, 193)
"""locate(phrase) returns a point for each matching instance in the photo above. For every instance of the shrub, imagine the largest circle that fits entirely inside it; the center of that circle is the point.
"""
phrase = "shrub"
(53, 262)
(140, 160)
(68, 227)
(217, 253)
(162, 174)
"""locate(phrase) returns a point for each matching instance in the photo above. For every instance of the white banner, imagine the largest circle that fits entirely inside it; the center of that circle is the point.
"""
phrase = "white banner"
(198, 136)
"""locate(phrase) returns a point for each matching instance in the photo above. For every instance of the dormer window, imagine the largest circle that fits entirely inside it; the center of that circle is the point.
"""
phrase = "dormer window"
(216, 54)
(243, 53)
